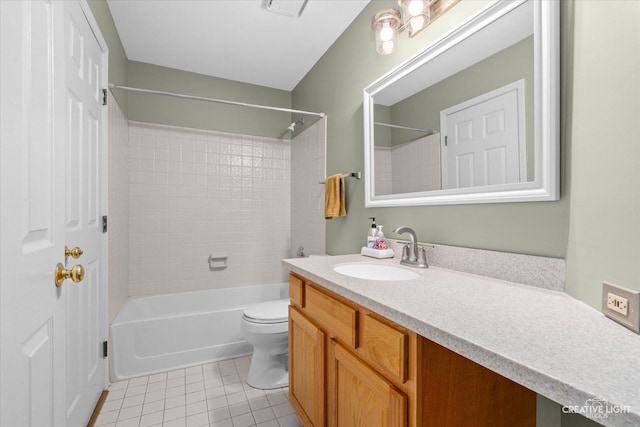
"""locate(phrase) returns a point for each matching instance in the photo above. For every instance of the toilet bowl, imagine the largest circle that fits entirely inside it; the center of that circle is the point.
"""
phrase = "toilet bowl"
(266, 327)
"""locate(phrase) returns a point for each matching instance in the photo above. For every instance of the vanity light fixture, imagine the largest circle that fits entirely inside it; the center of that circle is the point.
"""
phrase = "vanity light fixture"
(386, 25)
(416, 15)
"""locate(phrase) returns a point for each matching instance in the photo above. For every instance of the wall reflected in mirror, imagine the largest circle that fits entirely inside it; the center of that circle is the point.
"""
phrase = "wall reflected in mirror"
(463, 119)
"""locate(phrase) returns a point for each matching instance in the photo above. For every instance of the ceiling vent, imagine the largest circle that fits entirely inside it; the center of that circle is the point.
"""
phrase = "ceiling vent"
(286, 7)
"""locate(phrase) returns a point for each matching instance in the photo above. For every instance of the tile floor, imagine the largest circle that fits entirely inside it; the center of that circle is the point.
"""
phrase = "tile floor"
(214, 394)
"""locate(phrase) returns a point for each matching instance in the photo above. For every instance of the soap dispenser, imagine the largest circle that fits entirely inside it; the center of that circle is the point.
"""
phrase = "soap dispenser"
(376, 245)
(380, 243)
(371, 235)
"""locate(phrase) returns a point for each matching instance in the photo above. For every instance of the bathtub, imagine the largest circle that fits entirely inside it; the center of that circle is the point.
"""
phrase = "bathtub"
(163, 332)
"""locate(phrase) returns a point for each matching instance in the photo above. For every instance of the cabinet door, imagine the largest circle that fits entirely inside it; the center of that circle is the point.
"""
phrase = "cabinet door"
(358, 396)
(306, 369)
(457, 391)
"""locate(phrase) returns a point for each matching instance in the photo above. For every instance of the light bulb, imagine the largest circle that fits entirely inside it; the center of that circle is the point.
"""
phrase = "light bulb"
(387, 47)
(415, 7)
(417, 23)
(386, 32)
(385, 24)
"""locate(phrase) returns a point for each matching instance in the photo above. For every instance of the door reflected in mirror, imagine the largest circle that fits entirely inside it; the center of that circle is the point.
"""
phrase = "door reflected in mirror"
(471, 115)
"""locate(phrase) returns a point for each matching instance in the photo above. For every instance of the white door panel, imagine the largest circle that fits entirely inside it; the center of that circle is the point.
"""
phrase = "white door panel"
(83, 229)
(51, 367)
(31, 180)
(464, 170)
(483, 141)
(495, 169)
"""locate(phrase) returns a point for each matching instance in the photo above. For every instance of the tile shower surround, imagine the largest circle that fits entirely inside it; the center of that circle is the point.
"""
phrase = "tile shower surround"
(118, 208)
(409, 167)
(197, 193)
(307, 195)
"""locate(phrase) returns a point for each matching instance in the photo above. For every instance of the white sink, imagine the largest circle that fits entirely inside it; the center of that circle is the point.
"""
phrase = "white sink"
(375, 271)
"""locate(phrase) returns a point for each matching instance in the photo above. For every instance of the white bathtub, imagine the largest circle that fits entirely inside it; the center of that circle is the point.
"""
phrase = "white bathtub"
(159, 333)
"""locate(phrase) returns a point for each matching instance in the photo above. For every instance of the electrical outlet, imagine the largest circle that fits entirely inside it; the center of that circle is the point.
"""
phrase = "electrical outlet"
(617, 303)
(621, 305)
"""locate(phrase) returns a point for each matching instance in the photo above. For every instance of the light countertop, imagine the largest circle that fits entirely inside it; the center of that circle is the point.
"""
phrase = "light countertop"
(545, 340)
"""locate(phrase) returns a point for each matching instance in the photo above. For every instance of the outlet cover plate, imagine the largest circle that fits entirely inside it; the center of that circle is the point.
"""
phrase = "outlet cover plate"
(632, 319)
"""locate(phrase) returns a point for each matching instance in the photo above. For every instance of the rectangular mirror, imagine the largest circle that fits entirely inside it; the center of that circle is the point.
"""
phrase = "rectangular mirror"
(473, 118)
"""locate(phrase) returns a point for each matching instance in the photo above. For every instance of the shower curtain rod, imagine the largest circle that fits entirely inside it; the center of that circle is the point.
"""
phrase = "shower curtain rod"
(220, 101)
(428, 131)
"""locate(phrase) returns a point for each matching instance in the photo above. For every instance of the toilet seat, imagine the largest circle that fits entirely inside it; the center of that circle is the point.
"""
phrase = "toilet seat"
(247, 325)
(267, 312)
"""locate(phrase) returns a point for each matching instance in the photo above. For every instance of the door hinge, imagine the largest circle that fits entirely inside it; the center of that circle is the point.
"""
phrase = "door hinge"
(446, 140)
(104, 97)
(104, 349)
(104, 224)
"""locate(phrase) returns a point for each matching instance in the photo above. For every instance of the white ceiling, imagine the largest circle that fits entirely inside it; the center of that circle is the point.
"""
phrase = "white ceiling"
(232, 39)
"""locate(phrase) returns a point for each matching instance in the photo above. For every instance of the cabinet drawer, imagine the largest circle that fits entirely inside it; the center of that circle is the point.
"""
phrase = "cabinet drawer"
(384, 346)
(340, 320)
(296, 290)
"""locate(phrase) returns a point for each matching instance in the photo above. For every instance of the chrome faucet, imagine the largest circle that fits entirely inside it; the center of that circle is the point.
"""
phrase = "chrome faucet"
(412, 255)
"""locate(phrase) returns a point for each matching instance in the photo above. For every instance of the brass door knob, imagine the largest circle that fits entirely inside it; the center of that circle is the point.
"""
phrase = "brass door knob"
(76, 274)
(74, 253)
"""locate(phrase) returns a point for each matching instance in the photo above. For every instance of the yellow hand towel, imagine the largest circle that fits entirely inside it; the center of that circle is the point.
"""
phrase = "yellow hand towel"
(334, 197)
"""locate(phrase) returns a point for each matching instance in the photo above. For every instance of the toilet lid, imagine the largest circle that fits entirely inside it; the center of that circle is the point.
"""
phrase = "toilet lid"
(268, 312)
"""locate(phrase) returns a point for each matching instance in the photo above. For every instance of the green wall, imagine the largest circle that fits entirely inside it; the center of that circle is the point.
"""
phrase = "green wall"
(505, 67)
(117, 56)
(603, 125)
(422, 110)
(382, 134)
(596, 223)
(205, 115)
(532, 228)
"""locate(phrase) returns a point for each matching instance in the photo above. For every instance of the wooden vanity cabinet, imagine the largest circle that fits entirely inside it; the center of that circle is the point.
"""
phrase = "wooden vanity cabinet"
(348, 366)
(351, 367)
(307, 368)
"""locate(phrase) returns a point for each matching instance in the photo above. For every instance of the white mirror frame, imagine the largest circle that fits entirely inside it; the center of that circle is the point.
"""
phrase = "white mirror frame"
(546, 184)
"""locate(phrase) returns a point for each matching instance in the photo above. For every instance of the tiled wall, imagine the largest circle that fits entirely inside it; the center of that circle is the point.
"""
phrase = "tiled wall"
(382, 167)
(118, 208)
(193, 194)
(409, 167)
(308, 153)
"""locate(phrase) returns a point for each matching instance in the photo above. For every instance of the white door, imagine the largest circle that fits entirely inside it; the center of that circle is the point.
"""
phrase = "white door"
(31, 236)
(85, 116)
(483, 140)
(48, 373)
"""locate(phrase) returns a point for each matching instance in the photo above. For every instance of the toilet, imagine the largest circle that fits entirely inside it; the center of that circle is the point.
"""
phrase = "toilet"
(266, 326)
